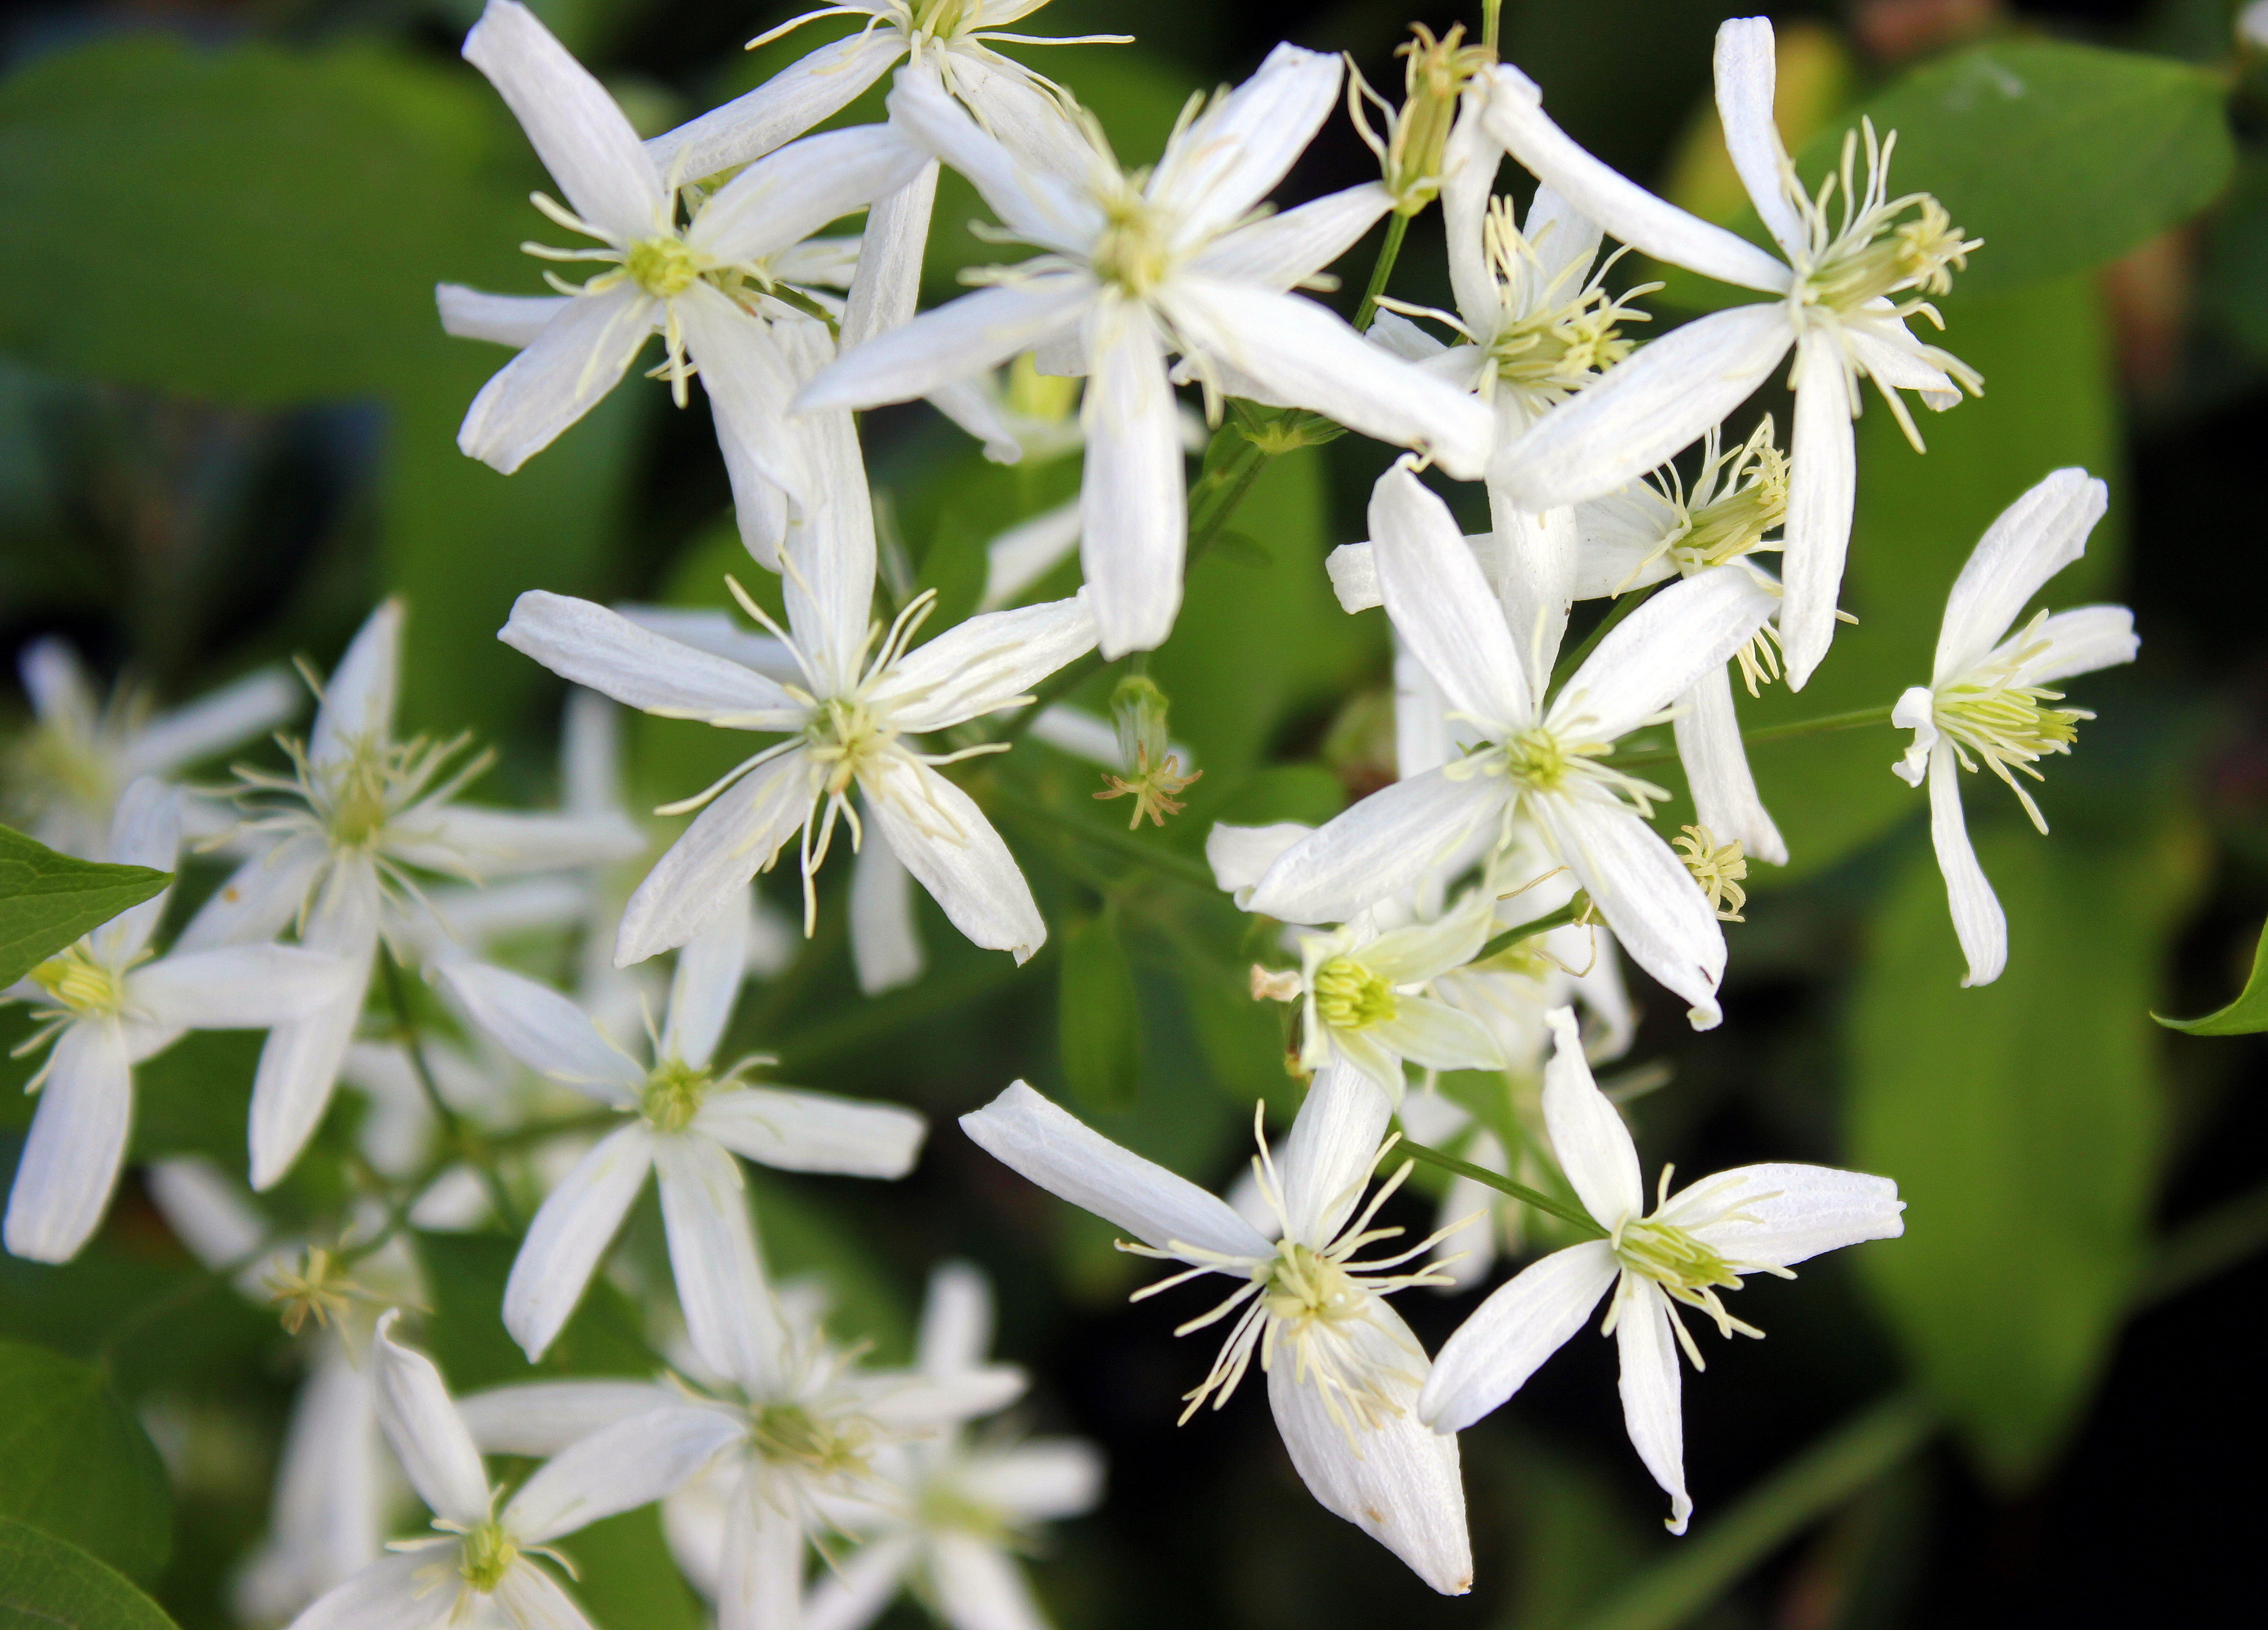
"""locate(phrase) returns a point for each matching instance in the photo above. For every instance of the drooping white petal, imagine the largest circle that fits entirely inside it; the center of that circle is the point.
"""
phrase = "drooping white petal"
(1398, 1482)
(1228, 158)
(1645, 409)
(572, 123)
(1747, 71)
(1780, 1214)
(749, 383)
(327, 1511)
(712, 860)
(1053, 1148)
(980, 1586)
(571, 1231)
(1281, 251)
(1978, 920)
(789, 194)
(1661, 651)
(1026, 552)
(887, 285)
(1441, 606)
(2081, 642)
(1658, 913)
(785, 106)
(813, 1130)
(1822, 488)
(1379, 847)
(207, 1211)
(1587, 1135)
(712, 1253)
(651, 671)
(946, 843)
(711, 967)
(385, 1596)
(238, 986)
(852, 1594)
(545, 1416)
(211, 724)
(1132, 510)
(358, 697)
(545, 1032)
(513, 319)
(1708, 729)
(2032, 540)
(620, 1468)
(980, 666)
(1470, 159)
(71, 1155)
(580, 356)
(531, 1599)
(429, 1437)
(1650, 1387)
(885, 946)
(1507, 1338)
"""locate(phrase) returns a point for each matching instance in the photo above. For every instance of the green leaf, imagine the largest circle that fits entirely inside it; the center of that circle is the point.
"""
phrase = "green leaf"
(76, 1465)
(625, 1577)
(1098, 1022)
(46, 1584)
(48, 899)
(2247, 1016)
(465, 1275)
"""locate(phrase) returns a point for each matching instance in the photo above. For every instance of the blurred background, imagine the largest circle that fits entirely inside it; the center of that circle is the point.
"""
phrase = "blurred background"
(227, 416)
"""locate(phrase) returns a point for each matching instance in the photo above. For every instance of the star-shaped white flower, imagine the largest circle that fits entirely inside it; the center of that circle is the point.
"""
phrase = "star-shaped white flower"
(1693, 1243)
(1143, 265)
(1342, 1368)
(685, 1119)
(1850, 280)
(1984, 700)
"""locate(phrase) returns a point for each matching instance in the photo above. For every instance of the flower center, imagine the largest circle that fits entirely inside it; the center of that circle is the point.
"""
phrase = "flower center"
(941, 18)
(1561, 348)
(1538, 759)
(791, 1434)
(61, 757)
(81, 983)
(843, 735)
(361, 796)
(1720, 871)
(1735, 524)
(943, 1505)
(1920, 253)
(1305, 1286)
(2006, 724)
(486, 1556)
(1351, 997)
(664, 267)
(1131, 253)
(672, 1096)
(1672, 1258)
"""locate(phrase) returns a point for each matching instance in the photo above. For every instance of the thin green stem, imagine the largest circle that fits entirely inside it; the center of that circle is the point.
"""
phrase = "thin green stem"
(1217, 492)
(1168, 862)
(1572, 912)
(1397, 227)
(1820, 726)
(1571, 661)
(477, 1153)
(1580, 1219)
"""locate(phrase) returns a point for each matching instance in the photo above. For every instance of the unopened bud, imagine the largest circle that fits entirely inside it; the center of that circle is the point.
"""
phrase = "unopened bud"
(1417, 133)
(1154, 780)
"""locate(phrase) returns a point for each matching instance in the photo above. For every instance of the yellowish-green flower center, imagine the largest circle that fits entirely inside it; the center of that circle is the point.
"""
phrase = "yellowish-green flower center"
(791, 1434)
(53, 756)
(1719, 869)
(486, 1556)
(663, 267)
(1538, 760)
(943, 1505)
(1305, 1286)
(1735, 524)
(1560, 348)
(842, 735)
(1351, 997)
(1132, 254)
(942, 20)
(1672, 1258)
(361, 795)
(1920, 254)
(80, 984)
(672, 1096)
(2006, 723)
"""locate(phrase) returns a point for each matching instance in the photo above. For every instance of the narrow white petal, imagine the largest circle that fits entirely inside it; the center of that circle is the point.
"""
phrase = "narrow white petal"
(887, 286)
(484, 844)
(1781, 1214)
(1227, 160)
(513, 319)
(1644, 410)
(1442, 606)
(546, 1031)
(980, 1586)
(573, 124)
(1708, 729)
(618, 1468)
(577, 358)
(571, 1231)
(1515, 117)
(981, 666)
(1440, 1037)
(531, 1599)
(358, 697)
(2032, 540)
(1507, 1338)
(949, 846)
(1132, 510)
(260, 898)
(385, 1596)
(761, 1587)
(1746, 71)
(209, 1212)
(545, 1416)
(1563, 238)
(712, 1252)
(1540, 551)
(1650, 1386)
(1621, 540)
(212, 724)
(956, 1321)
(789, 194)
(1379, 847)
(1053, 1148)
(71, 1155)
(633, 665)
(1658, 913)
(782, 107)
(429, 1437)
(1036, 201)
(1470, 159)
(711, 967)
(1587, 1135)
(145, 830)
(1353, 569)
(813, 1130)
(749, 383)
(1822, 488)
(1325, 1163)
(1661, 651)
(238, 986)
(886, 945)
(1978, 919)
(1239, 855)
(716, 633)
(1281, 251)
(712, 860)
(1399, 1483)
(828, 556)
(2081, 642)
(300, 1064)
(1040, 1479)
(852, 1594)
(1026, 552)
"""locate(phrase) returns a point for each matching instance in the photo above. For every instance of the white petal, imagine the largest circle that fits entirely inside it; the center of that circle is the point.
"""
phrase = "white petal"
(813, 1130)
(1515, 117)
(1661, 651)
(1239, 855)
(1399, 337)
(1708, 729)
(712, 860)
(1507, 1338)
(827, 556)
(781, 109)
(1226, 162)
(1132, 509)
(428, 1436)
(789, 194)
(1036, 203)
(560, 377)
(513, 319)
(1621, 541)
(1026, 552)
(1040, 1479)
(946, 843)
(1643, 410)
(570, 121)
(1442, 607)
(620, 1468)
(327, 1511)
(545, 1032)
(716, 633)
(260, 898)
(239, 986)
(852, 1594)
(1437, 1036)
(1540, 551)
(1778, 1215)
(1353, 569)
(2081, 642)
(1399, 1483)
(980, 1586)
(605, 651)
(545, 1416)
(711, 968)
(911, 1406)
(749, 385)
(982, 665)
(145, 830)
(1281, 251)
(212, 724)
(1324, 1164)
(385, 1596)
(1587, 1135)
(1822, 487)
(531, 1599)
(1978, 920)
(2032, 540)
(358, 697)
(887, 286)
(1379, 847)
(1563, 237)
(60, 690)
(1746, 70)
(478, 843)
(1296, 353)
(1050, 1146)
(207, 1211)
(956, 1322)
(712, 1252)
(1470, 159)
(571, 1231)
(761, 1586)
(885, 946)
(71, 1155)
(1650, 1385)
(1658, 913)
(299, 1063)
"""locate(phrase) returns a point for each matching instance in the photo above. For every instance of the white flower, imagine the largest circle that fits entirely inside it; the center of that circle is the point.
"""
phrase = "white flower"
(1141, 266)
(1838, 312)
(1342, 1369)
(363, 812)
(685, 1121)
(1365, 995)
(105, 1006)
(700, 285)
(1534, 759)
(482, 1557)
(1984, 698)
(64, 778)
(1699, 1241)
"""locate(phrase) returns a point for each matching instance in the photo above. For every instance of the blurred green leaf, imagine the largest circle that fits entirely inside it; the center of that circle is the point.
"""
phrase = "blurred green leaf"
(49, 900)
(625, 1577)
(804, 1230)
(1099, 1026)
(46, 1584)
(74, 1464)
(2245, 1016)
(465, 1275)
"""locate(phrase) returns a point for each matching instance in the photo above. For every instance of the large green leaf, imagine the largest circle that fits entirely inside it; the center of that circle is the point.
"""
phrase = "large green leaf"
(1098, 1021)
(46, 1584)
(49, 900)
(625, 1578)
(76, 1465)
(2247, 1016)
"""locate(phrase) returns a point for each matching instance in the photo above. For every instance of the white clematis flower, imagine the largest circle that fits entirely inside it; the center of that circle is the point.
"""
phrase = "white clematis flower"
(63, 780)
(483, 1557)
(1984, 698)
(686, 1120)
(1850, 280)
(1342, 1369)
(1695, 1242)
(1534, 759)
(1140, 266)
(105, 1006)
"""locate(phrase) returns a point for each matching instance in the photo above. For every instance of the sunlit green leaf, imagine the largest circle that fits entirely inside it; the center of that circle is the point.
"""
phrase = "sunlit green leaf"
(46, 1584)
(74, 1464)
(49, 900)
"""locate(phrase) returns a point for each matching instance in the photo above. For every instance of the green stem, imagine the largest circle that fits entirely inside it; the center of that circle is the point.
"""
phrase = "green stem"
(1677, 1588)
(476, 1153)
(1574, 660)
(1772, 733)
(1169, 862)
(1572, 912)
(1397, 227)
(1580, 1219)
(1217, 492)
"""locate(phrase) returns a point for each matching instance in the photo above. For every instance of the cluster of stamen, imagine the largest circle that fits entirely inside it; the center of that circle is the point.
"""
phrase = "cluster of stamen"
(317, 1288)
(81, 986)
(1687, 1270)
(792, 1435)
(1132, 253)
(1434, 76)
(1874, 249)
(1719, 869)
(672, 1094)
(1350, 997)
(485, 1555)
(2005, 725)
